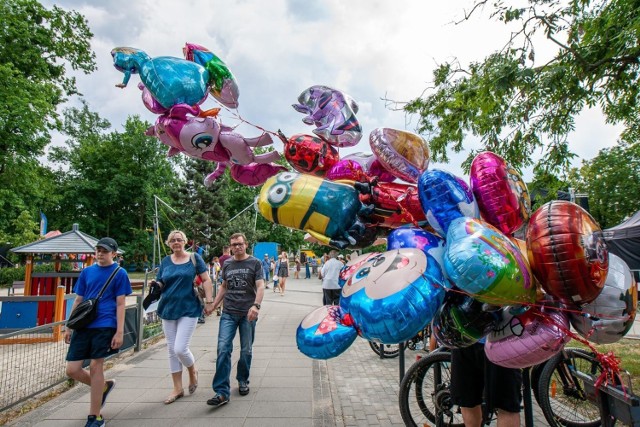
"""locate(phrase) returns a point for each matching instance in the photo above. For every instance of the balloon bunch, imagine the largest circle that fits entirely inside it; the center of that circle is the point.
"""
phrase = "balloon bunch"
(348, 202)
(174, 88)
(471, 278)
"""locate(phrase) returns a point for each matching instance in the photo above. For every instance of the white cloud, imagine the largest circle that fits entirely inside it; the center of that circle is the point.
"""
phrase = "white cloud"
(370, 49)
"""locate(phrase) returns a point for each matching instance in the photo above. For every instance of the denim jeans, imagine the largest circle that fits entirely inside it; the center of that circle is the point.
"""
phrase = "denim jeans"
(226, 333)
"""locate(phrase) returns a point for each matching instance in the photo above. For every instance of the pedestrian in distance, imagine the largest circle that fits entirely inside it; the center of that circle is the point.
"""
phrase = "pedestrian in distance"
(296, 274)
(180, 307)
(104, 336)
(276, 279)
(283, 272)
(266, 268)
(330, 274)
(242, 291)
(307, 270)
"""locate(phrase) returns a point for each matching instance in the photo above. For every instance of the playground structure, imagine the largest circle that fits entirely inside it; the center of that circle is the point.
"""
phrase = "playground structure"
(47, 297)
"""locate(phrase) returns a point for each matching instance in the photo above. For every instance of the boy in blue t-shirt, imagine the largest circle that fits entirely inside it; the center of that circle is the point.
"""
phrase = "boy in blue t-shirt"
(104, 336)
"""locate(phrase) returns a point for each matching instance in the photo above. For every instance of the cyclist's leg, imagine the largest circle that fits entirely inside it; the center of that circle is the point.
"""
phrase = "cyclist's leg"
(504, 393)
(467, 382)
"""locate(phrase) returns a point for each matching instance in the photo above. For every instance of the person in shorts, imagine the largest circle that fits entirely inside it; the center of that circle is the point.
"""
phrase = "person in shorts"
(104, 336)
(475, 379)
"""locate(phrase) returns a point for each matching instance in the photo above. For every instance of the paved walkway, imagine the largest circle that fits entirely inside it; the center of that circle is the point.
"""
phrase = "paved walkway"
(287, 388)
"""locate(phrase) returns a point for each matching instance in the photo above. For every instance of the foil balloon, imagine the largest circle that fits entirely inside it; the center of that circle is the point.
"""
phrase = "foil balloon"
(253, 174)
(394, 204)
(333, 113)
(484, 263)
(445, 197)
(347, 170)
(309, 154)
(322, 334)
(205, 138)
(150, 102)
(527, 339)
(610, 316)
(501, 194)
(405, 154)
(223, 85)
(371, 166)
(411, 237)
(567, 252)
(461, 321)
(328, 211)
(354, 265)
(391, 297)
(169, 80)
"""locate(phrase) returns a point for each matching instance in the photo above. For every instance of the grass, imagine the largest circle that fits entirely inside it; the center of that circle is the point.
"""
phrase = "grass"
(628, 351)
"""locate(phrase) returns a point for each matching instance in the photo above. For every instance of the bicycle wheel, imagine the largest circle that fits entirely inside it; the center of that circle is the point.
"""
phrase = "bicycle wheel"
(424, 393)
(389, 351)
(561, 395)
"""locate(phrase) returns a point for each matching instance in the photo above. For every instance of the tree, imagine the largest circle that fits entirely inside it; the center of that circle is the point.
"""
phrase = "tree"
(110, 179)
(612, 182)
(36, 46)
(517, 106)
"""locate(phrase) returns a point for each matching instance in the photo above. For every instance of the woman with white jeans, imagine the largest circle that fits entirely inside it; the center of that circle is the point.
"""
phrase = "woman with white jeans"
(179, 309)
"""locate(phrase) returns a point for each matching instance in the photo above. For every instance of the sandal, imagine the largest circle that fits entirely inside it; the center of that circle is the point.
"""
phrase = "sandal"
(194, 386)
(169, 400)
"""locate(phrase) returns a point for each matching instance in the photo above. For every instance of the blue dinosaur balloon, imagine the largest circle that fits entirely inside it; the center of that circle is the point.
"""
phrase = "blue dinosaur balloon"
(169, 80)
(445, 197)
(322, 334)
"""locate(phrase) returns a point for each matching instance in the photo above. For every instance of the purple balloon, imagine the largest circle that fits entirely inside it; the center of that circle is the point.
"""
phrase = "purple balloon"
(527, 339)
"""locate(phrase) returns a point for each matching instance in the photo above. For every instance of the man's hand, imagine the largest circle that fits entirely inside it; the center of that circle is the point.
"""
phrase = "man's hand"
(116, 341)
(253, 313)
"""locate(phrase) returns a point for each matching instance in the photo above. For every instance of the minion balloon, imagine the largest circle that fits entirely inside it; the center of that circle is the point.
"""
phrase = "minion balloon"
(327, 210)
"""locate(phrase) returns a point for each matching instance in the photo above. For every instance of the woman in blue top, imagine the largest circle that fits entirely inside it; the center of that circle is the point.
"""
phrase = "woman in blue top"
(179, 308)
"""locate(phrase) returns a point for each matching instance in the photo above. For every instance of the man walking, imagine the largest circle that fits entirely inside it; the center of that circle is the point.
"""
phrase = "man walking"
(242, 290)
(329, 274)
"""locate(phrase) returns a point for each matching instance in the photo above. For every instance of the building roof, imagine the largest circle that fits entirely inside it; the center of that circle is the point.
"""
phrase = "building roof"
(71, 242)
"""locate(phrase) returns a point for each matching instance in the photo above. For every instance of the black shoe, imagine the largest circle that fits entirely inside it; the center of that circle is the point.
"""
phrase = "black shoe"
(108, 386)
(217, 400)
(243, 388)
(200, 320)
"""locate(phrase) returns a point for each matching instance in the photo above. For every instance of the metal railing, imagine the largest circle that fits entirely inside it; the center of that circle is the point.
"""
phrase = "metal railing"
(34, 363)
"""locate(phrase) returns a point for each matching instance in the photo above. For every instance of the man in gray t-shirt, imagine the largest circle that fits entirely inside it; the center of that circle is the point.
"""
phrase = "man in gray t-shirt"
(242, 290)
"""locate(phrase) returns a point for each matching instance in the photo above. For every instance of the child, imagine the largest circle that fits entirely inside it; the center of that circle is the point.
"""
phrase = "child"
(103, 337)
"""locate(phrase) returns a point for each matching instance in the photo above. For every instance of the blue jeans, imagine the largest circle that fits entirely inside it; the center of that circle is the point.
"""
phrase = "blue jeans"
(265, 270)
(226, 333)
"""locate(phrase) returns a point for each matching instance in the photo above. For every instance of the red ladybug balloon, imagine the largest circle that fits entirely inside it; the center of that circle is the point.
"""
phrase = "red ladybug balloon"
(309, 154)
(567, 252)
(395, 204)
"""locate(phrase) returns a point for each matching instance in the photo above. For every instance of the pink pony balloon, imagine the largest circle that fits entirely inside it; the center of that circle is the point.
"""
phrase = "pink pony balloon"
(205, 138)
(527, 339)
(333, 113)
(501, 194)
(150, 102)
(405, 154)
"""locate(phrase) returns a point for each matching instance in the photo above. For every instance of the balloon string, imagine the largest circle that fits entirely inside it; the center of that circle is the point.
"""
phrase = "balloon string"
(239, 117)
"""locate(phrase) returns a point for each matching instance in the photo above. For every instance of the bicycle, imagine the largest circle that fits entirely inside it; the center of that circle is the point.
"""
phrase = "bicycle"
(389, 351)
(425, 391)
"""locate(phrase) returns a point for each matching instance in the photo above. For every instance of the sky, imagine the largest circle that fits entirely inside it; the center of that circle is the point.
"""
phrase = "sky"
(376, 51)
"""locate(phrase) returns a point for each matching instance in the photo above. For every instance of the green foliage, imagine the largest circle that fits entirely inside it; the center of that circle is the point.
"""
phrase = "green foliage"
(518, 107)
(36, 44)
(110, 180)
(612, 182)
(10, 275)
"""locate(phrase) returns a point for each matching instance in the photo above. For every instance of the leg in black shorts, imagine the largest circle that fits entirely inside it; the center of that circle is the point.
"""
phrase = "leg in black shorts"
(471, 372)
